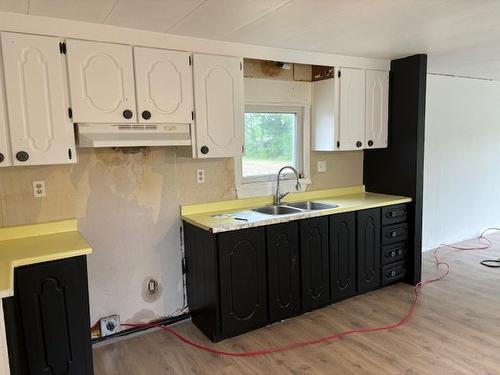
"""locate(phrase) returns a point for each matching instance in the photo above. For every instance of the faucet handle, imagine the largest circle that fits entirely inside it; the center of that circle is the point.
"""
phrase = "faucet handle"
(297, 186)
(284, 195)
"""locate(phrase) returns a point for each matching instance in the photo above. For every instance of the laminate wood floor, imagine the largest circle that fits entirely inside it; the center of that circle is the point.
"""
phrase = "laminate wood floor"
(456, 330)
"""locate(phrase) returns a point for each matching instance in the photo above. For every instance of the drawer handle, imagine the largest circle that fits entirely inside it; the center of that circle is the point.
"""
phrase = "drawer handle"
(393, 273)
(395, 233)
(395, 214)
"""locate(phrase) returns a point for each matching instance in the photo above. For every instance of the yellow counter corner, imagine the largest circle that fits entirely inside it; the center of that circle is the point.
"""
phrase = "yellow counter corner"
(29, 244)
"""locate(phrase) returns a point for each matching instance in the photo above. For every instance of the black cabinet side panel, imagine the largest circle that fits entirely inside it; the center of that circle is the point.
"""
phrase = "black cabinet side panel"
(15, 339)
(343, 256)
(242, 280)
(315, 266)
(202, 279)
(283, 270)
(53, 305)
(399, 168)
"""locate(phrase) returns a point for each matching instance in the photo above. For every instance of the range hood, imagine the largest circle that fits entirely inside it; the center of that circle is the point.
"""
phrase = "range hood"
(133, 135)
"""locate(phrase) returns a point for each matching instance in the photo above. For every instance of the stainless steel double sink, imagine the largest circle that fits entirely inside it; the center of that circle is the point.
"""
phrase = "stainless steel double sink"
(294, 208)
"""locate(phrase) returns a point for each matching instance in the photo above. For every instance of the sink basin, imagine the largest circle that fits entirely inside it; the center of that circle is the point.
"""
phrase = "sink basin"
(276, 210)
(311, 206)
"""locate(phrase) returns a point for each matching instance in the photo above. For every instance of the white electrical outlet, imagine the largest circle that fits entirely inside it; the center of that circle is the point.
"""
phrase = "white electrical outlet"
(322, 166)
(110, 325)
(200, 176)
(39, 189)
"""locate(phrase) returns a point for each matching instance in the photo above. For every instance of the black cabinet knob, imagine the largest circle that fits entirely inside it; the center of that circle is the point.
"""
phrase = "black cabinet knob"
(146, 115)
(204, 150)
(22, 156)
(400, 252)
(359, 144)
(127, 114)
(370, 143)
(393, 273)
(2, 158)
(393, 254)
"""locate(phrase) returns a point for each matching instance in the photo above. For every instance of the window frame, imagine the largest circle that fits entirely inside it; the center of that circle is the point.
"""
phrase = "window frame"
(265, 184)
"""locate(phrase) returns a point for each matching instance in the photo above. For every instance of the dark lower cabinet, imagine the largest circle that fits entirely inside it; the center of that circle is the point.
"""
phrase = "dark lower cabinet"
(243, 280)
(48, 319)
(368, 245)
(283, 270)
(314, 252)
(342, 256)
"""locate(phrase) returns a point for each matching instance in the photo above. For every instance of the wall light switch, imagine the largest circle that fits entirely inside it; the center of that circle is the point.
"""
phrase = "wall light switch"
(322, 166)
(200, 176)
(39, 189)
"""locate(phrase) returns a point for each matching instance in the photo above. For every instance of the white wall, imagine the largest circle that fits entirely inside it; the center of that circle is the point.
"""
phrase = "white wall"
(462, 159)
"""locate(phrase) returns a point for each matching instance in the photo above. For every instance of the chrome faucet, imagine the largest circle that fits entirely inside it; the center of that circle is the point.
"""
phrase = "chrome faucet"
(278, 196)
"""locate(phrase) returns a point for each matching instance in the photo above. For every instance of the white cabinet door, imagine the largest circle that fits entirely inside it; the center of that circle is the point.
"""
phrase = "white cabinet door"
(5, 156)
(377, 107)
(164, 85)
(351, 109)
(219, 105)
(37, 106)
(101, 80)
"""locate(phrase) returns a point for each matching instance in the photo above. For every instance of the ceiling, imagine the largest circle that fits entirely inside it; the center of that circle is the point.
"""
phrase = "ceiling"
(462, 37)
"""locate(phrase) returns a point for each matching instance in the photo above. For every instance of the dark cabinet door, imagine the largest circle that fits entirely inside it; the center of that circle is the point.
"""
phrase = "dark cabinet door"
(243, 289)
(342, 256)
(368, 238)
(283, 270)
(54, 314)
(314, 262)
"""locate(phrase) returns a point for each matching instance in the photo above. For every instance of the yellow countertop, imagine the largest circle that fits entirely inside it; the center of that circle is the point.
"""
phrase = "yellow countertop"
(29, 244)
(219, 217)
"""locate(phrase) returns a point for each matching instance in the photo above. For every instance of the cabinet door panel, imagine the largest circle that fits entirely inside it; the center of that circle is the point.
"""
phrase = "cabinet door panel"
(283, 270)
(53, 301)
(5, 155)
(40, 129)
(315, 262)
(164, 85)
(219, 105)
(377, 107)
(101, 81)
(343, 255)
(243, 289)
(351, 109)
(368, 233)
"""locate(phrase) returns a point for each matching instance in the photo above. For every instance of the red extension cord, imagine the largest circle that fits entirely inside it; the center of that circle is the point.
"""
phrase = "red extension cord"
(406, 318)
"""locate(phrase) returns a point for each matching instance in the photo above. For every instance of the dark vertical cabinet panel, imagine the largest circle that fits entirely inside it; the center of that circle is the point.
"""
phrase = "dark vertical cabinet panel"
(202, 280)
(242, 272)
(368, 238)
(283, 270)
(342, 256)
(314, 251)
(399, 168)
(54, 315)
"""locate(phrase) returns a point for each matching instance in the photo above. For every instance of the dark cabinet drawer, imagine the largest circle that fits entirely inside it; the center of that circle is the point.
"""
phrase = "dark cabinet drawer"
(394, 233)
(393, 272)
(394, 253)
(394, 214)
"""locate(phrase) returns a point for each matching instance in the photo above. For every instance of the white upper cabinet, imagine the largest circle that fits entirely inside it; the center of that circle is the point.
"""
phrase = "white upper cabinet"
(376, 116)
(37, 106)
(164, 85)
(101, 79)
(351, 109)
(219, 105)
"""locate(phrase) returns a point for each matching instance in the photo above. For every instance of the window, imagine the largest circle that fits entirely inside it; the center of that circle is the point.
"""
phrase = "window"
(273, 139)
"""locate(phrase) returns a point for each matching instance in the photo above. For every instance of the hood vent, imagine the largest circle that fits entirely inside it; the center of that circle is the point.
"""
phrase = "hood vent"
(133, 135)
